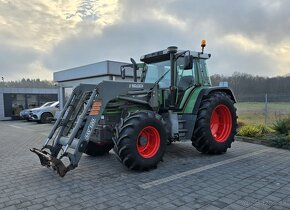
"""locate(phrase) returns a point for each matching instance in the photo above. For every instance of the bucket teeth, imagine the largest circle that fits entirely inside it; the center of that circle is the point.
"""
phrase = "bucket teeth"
(49, 161)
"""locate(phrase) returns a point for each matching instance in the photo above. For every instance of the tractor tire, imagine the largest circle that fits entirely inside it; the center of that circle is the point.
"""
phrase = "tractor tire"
(216, 124)
(95, 149)
(46, 118)
(140, 140)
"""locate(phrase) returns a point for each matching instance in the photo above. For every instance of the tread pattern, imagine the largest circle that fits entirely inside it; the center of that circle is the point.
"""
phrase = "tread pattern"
(202, 138)
(44, 117)
(125, 140)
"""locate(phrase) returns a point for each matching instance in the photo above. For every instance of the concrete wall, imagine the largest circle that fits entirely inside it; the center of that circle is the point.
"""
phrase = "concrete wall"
(94, 70)
(30, 90)
(2, 108)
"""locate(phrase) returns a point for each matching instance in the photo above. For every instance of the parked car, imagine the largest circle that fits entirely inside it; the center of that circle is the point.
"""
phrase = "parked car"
(44, 114)
(24, 114)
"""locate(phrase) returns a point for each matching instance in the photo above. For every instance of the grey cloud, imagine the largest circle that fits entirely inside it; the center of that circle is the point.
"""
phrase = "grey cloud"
(256, 19)
(117, 42)
(15, 60)
(228, 59)
(138, 31)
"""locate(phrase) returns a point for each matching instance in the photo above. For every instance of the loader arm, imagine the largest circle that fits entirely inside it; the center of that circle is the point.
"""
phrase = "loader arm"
(87, 104)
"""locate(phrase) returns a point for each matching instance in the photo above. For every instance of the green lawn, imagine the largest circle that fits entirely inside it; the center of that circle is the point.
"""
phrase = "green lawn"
(254, 112)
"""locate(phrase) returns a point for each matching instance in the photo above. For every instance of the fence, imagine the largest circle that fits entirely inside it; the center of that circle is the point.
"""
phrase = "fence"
(272, 97)
(263, 109)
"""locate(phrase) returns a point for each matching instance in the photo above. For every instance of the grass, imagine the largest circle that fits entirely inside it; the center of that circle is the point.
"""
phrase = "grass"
(253, 112)
(252, 124)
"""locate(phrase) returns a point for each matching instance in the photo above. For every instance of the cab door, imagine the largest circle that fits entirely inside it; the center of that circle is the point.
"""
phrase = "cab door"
(185, 80)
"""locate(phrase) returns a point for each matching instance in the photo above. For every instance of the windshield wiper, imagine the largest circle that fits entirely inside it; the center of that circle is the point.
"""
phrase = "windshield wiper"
(162, 76)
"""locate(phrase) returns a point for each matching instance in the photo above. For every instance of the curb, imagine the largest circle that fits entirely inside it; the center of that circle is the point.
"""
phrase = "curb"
(258, 141)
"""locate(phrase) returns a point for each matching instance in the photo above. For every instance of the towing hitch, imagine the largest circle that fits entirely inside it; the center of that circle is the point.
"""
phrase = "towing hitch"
(49, 161)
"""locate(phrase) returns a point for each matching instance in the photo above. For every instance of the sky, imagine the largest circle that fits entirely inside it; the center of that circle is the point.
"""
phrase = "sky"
(39, 37)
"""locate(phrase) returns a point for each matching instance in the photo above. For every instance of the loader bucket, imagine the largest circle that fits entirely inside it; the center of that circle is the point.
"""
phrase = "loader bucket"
(49, 161)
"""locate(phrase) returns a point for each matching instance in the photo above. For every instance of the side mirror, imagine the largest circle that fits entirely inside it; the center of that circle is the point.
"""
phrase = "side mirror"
(188, 62)
(123, 74)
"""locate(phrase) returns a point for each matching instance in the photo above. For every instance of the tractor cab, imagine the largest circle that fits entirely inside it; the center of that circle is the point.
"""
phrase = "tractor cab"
(176, 72)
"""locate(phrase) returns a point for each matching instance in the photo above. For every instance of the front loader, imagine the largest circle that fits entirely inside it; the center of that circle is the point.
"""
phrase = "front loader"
(173, 101)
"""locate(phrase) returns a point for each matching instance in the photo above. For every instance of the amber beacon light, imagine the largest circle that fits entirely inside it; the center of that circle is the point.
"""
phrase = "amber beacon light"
(203, 44)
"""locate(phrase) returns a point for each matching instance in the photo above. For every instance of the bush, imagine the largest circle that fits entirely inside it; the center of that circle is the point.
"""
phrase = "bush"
(254, 130)
(280, 142)
(265, 129)
(282, 126)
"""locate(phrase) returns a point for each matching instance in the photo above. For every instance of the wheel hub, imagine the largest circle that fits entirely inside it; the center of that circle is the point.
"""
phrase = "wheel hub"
(221, 123)
(148, 142)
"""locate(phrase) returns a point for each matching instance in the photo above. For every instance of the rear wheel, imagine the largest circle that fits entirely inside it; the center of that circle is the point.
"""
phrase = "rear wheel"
(98, 149)
(46, 117)
(216, 124)
(140, 140)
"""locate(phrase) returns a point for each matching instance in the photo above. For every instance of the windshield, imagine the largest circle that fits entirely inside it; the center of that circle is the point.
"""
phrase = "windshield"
(55, 104)
(160, 72)
(47, 104)
(157, 70)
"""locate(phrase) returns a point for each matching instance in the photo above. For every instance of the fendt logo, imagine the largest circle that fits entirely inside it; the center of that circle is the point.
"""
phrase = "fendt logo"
(90, 129)
(136, 85)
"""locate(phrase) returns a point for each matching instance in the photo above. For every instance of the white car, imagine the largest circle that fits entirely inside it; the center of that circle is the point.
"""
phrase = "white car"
(24, 114)
(44, 114)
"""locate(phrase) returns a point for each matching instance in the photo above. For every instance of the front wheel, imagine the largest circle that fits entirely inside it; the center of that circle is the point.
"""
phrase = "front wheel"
(216, 124)
(140, 140)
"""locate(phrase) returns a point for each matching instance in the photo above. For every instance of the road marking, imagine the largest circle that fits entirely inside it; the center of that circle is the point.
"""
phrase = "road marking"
(200, 169)
(28, 129)
(22, 128)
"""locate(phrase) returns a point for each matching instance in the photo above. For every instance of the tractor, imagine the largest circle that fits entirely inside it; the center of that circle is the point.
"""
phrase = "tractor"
(170, 99)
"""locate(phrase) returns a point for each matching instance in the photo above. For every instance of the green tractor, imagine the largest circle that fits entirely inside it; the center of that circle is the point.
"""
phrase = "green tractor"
(173, 101)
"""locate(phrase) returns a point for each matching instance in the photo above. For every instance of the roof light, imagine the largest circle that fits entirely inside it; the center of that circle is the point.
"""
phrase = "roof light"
(203, 43)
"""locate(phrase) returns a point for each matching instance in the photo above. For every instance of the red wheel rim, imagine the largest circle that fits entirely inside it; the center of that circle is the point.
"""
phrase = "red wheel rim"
(221, 123)
(148, 142)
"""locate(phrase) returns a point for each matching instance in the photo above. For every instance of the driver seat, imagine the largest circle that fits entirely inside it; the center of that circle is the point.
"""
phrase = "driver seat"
(185, 82)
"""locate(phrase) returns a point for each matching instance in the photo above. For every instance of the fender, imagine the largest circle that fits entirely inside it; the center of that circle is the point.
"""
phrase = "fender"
(195, 97)
(207, 91)
(192, 104)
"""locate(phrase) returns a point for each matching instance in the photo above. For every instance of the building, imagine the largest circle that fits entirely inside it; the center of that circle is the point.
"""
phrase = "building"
(14, 100)
(88, 74)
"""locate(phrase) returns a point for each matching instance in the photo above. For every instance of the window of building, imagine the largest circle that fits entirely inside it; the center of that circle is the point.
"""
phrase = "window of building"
(14, 103)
